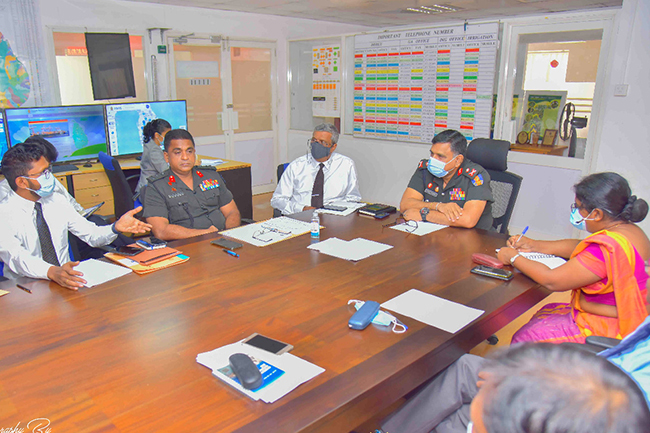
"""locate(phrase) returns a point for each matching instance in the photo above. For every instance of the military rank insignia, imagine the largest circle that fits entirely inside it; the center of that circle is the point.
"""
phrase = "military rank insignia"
(460, 171)
(457, 194)
(478, 180)
(430, 185)
(470, 171)
(208, 184)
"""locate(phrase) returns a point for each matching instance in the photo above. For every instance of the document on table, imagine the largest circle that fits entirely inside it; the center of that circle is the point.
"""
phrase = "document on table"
(296, 370)
(354, 250)
(424, 228)
(350, 208)
(96, 272)
(432, 310)
(212, 162)
(269, 232)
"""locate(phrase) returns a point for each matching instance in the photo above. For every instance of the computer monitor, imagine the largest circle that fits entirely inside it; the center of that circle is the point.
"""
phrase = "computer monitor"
(77, 131)
(3, 138)
(124, 123)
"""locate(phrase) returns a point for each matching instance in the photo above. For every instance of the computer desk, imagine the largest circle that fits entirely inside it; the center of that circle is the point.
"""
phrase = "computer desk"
(122, 356)
(90, 185)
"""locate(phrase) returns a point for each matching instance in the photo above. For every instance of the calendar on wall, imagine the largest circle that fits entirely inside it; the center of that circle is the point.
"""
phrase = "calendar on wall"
(413, 84)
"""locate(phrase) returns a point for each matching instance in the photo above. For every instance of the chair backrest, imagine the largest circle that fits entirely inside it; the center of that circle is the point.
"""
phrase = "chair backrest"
(493, 156)
(122, 192)
(281, 168)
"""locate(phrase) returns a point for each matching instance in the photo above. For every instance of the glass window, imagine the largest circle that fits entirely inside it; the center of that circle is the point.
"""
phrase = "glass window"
(74, 73)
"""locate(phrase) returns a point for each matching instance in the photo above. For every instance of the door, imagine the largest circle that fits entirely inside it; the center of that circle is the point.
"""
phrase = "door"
(230, 91)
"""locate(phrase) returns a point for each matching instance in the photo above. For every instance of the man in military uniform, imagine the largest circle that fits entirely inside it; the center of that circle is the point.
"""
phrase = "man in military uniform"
(185, 200)
(448, 188)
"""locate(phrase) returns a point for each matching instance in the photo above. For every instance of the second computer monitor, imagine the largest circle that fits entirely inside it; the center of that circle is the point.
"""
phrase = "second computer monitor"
(3, 137)
(125, 122)
(77, 131)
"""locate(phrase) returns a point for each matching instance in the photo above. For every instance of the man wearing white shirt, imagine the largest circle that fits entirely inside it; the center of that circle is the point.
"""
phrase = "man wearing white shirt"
(318, 178)
(34, 236)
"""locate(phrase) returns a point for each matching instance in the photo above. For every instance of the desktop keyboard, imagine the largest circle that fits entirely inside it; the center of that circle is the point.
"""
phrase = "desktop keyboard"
(64, 167)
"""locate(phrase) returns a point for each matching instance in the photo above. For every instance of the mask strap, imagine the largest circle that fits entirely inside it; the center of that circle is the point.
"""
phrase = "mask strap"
(355, 301)
(396, 323)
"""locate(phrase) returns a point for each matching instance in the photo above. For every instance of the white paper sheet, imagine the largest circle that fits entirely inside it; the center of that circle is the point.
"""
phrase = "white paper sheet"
(432, 310)
(422, 229)
(97, 272)
(212, 162)
(296, 370)
(269, 232)
(350, 208)
(355, 250)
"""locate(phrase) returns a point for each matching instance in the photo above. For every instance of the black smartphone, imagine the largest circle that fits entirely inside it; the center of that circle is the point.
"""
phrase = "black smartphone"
(382, 215)
(334, 208)
(268, 344)
(488, 271)
(127, 251)
(155, 241)
(227, 244)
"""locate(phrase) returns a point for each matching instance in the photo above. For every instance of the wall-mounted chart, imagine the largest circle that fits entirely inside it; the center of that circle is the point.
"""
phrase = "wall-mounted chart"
(326, 81)
(413, 84)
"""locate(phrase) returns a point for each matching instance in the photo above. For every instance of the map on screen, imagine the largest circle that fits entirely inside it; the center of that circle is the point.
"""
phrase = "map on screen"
(125, 122)
(77, 131)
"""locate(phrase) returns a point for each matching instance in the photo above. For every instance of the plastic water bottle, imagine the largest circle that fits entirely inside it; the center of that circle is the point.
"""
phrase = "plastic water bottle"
(315, 225)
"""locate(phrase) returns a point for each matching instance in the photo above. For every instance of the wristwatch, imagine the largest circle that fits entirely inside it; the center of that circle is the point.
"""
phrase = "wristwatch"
(512, 260)
(423, 213)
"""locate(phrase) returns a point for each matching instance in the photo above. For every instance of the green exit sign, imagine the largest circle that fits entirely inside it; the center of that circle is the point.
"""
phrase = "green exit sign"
(162, 49)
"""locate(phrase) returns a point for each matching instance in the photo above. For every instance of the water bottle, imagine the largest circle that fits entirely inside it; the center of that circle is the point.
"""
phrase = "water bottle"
(315, 225)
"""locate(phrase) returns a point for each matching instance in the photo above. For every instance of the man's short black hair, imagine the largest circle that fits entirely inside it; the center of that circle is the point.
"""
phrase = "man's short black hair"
(456, 140)
(51, 154)
(556, 388)
(18, 160)
(177, 134)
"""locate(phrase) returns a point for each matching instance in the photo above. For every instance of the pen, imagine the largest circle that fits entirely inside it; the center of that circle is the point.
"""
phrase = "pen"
(231, 253)
(23, 288)
(522, 233)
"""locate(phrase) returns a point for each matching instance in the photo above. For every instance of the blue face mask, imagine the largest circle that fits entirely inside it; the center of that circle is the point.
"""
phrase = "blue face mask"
(578, 221)
(383, 318)
(437, 168)
(46, 180)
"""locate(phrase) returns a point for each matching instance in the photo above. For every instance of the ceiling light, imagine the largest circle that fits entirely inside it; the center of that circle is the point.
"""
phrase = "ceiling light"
(432, 9)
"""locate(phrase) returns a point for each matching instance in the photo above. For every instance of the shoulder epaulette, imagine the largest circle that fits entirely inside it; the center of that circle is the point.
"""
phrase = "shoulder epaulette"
(157, 176)
(422, 165)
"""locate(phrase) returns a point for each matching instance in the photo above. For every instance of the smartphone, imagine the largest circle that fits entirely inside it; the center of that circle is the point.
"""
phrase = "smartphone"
(227, 244)
(150, 245)
(488, 271)
(334, 208)
(128, 251)
(381, 216)
(270, 345)
(156, 242)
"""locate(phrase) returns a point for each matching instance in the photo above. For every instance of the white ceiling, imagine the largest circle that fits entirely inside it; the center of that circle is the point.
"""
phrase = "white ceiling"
(384, 13)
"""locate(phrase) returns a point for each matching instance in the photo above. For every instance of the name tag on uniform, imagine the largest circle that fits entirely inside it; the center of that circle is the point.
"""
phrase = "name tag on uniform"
(209, 184)
(176, 195)
(431, 192)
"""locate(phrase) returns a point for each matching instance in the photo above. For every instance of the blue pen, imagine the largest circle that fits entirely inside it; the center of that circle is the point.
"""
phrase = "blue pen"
(522, 233)
(231, 253)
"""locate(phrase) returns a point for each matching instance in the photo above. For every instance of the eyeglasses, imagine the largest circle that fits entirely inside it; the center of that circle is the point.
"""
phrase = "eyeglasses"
(47, 173)
(322, 143)
(412, 225)
(266, 230)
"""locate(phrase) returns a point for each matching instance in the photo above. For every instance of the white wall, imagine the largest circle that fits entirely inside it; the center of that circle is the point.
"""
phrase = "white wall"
(120, 16)
(624, 145)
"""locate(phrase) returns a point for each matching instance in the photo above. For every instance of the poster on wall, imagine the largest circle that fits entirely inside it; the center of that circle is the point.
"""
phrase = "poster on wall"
(326, 81)
(413, 84)
(541, 110)
(23, 78)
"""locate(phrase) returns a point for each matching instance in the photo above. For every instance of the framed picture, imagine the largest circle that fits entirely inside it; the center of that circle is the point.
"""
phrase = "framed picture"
(541, 110)
(534, 139)
(522, 137)
(549, 137)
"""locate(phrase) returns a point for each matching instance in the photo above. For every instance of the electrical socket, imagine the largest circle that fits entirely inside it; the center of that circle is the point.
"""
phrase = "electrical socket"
(620, 90)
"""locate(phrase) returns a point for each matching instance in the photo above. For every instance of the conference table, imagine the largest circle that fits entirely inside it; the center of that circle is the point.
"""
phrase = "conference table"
(121, 356)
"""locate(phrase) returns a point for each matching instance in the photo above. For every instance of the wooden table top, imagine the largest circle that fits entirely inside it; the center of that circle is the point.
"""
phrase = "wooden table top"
(122, 356)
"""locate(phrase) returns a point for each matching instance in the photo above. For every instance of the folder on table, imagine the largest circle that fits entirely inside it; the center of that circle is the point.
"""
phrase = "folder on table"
(142, 269)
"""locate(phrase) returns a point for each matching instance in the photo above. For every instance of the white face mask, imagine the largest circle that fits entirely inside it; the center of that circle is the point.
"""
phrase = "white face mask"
(470, 427)
(382, 318)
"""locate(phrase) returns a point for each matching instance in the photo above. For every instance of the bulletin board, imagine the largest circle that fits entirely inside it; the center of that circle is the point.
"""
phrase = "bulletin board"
(413, 84)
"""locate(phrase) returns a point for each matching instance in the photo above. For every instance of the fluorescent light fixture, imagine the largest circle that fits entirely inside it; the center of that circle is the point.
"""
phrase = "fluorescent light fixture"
(432, 9)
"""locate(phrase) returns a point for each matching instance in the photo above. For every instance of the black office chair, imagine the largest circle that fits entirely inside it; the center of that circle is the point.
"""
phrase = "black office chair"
(122, 193)
(492, 155)
(281, 168)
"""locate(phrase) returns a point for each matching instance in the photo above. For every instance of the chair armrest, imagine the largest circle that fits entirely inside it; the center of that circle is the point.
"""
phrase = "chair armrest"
(246, 221)
(602, 342)
(133, 176)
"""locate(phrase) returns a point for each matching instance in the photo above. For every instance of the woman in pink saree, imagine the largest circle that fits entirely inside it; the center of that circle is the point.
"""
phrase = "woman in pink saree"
(605, 272)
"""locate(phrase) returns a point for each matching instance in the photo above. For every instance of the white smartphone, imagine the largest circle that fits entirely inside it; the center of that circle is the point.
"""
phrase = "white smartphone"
(270, 345)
